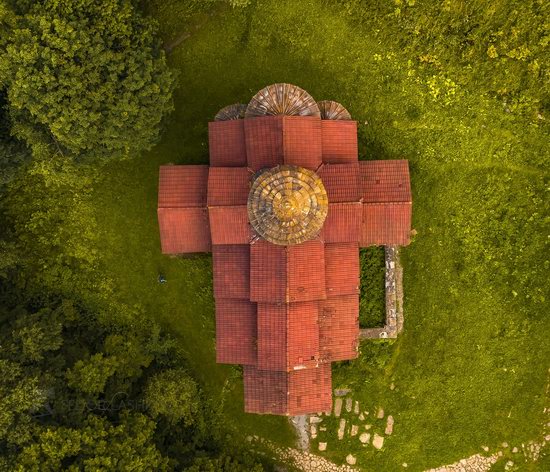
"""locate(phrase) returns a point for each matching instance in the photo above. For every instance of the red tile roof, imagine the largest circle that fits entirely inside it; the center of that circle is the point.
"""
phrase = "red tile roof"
(288, 335)
(385, 181)
(182, 186)
(264, 141)
(184, 230)
(339, 141)
(341, 182)
(302, 141)
(226, 143)
(339, 328)
(386, 224)
(343, 223)
(228, 186)
(235, 332)
(287, 273)
(342, 269)
(287, 393)
(231, 271)
(274, 140)
(229, 225)
(310, 390)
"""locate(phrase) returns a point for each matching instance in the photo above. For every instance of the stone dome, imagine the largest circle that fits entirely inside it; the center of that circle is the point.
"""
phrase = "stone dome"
(287, 204)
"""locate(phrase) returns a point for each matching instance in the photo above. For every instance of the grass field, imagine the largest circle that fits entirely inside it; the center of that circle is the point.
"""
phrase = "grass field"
(471, 365)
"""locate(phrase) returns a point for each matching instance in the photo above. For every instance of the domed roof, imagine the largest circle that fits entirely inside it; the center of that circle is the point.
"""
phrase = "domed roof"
(282, 99)
(287, 204)
(331, 110)
(231, 112)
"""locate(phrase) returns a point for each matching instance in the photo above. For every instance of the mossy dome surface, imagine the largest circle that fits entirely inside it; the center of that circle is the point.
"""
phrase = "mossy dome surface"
(287, 204)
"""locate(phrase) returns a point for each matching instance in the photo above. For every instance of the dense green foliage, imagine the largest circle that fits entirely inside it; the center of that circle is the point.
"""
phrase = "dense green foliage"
(459, 88)
(85, 78)
(80, 392)
(372, 304)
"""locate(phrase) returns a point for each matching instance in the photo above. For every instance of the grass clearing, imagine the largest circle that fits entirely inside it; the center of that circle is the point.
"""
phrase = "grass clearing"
(471, 365)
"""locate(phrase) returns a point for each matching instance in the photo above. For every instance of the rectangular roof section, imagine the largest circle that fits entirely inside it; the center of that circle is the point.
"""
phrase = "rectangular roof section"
(339, 328)
(341, 181)
(287, 273)
(302, 141)
(229, 225)
(264, 141)
(339, 141)
(184, 230)
(182, 186)
(342, 269)
(343, 223)
(231, 271)
(228, 186)
(235, 332)
(287, 393)
(288, 335)
(386, 224)
(385, 181)
(279, 139)
(226, 143)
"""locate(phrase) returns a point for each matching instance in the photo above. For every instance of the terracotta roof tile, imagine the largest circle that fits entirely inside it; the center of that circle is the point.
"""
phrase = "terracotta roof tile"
(264, 141)
(228, 186)
(229, 225)
(293, 393)
(339, 328)
(226, 143)
(342, 269)
(310, 390)
(386, 224)
(235, 332)
(385, 181)
(339, 138)
(231, 272)
(343, 223)
(182, 186)
(288, 335)
(184, 230)
(265, 391)
(302, 141)
(341, 181)
(287, 273)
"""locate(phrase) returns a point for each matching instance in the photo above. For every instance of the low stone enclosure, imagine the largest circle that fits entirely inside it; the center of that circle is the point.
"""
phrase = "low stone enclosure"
(394, 298)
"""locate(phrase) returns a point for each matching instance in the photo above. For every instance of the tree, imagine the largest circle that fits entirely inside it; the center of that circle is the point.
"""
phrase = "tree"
(173, 394)
(85, 78)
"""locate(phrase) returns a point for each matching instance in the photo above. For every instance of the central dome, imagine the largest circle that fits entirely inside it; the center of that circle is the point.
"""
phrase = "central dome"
(287, 204)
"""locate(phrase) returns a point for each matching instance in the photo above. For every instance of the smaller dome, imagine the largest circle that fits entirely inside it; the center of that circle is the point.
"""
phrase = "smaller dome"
(331, 110)
(231, 112)
(287, 204)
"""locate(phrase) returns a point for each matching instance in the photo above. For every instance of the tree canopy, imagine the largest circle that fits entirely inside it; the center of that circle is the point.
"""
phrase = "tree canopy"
(86, 78)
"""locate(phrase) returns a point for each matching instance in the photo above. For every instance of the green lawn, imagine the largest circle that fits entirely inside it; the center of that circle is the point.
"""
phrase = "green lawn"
(471, 365)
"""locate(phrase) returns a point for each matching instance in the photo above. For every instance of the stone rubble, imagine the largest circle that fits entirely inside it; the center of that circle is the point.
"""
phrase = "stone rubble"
(475, 463)
(354, 430)
(349, 403)
(378, 441)
(389, 426)
(356, 407)
(350, 459)
(380, 413)
(341, 429)
(338, 407)
(364, 438)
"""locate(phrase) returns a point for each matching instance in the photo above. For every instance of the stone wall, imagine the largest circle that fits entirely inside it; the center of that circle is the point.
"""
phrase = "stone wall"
(394, 299)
